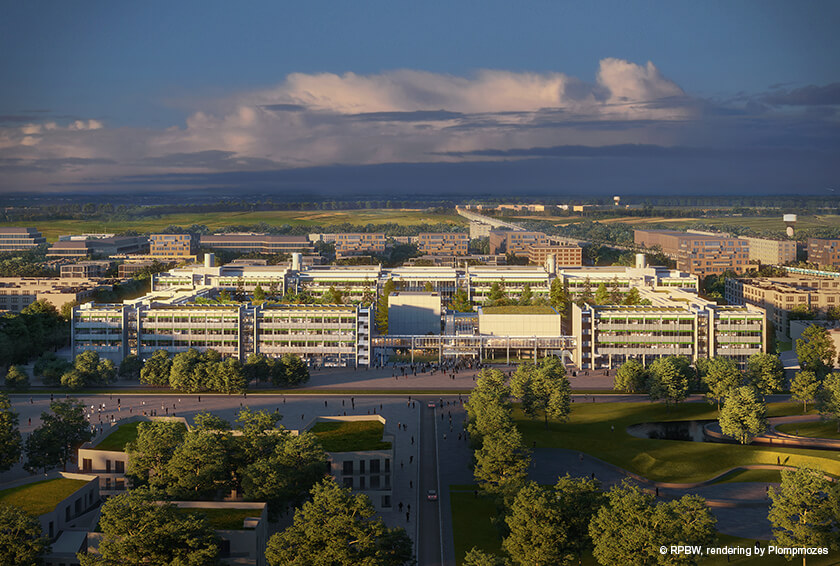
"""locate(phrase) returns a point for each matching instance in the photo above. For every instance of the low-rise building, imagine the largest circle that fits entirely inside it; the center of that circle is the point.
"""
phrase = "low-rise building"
(175, 247)
(412, 312)
(16, 293)
(564, 254)
(779, 296)
(698, 254)
(771, 252)
(15, 239)
(824, 252)
(257, 243)
(444, 243)
(85, 269)
(97, 245)
(517, 243)
(359, 243)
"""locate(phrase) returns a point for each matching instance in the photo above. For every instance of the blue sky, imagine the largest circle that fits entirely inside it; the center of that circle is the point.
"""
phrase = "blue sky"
(95, 93)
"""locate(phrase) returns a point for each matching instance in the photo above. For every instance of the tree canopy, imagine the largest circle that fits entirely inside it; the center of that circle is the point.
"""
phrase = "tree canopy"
(61, 431)
(744, 415)
(22, 542)
(10, 440)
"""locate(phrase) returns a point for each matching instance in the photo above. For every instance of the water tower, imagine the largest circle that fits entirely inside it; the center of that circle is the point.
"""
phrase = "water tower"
(790, 221)
(617, 200)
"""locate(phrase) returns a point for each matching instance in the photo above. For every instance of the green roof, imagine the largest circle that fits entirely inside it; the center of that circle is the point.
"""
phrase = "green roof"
(40, 497)
(515, 309)
(350, 436)
(121, 436)
(222, 519)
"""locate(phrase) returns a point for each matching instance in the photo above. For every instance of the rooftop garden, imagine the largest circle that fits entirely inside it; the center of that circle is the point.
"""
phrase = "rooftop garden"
(222, 519)
(351, 436)
(515, 309)
(40, 497)
(123, 434)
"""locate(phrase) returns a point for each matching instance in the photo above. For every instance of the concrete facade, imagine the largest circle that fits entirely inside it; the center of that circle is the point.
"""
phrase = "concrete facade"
(352, 244)
(696, 253)
(824, 252)
(172, 247)
(256, 243)
(771, 252)
(444, 243)
(13, 239)
(414, 313)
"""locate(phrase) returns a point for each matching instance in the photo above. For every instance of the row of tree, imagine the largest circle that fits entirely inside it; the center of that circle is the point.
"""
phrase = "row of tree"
(37, 328)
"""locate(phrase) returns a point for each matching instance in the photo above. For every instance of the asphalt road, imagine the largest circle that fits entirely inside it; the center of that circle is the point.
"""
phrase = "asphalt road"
(428, 545)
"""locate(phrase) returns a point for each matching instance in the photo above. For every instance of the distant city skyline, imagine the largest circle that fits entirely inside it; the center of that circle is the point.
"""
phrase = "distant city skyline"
(392, 98)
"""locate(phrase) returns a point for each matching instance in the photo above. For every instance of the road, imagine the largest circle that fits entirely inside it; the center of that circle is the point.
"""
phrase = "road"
(428, 545)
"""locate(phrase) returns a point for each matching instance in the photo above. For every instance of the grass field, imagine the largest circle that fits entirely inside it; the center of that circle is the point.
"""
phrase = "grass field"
(350, 436)
(763, 476)
(215, 220)
(40, 497)
(589, 430)
(815, 429)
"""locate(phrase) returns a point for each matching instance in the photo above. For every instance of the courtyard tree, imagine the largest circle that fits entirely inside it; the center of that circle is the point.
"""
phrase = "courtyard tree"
(669, 379)
(559, 295)
(631, 377)
(22, 540)
(150, 452)
(815, 351)
(543, 388)
(526, 296)
(382, 306)
(721, 375)
(61, 432)
(804, 387)
(199, 467)
(497, 296)
(10, 441)
(338, 527)
(803, 511)
(766, 373)
(828, 399)
(156, 370)
(258, 368)
(744, 415)
(183, 375)
(602, 295)
(17, 378)
(89, 369)
(130, 367)
(460, 301)
(137, 529)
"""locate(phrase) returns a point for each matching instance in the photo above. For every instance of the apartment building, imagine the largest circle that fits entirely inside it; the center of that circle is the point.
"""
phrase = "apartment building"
(444, 243)
(16, 293)
(256, 243)
(676, 323)
(699, 254)
(97, 245)
(15, 239)
(824, 252)
(564, 254)
(175, 247)
(352, 244)
(85, 269)
(778, 296)
(771, 252)
(515, 242)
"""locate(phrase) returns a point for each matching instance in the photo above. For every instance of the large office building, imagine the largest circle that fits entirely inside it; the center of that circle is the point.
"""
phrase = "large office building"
(173, 247)
(515, 242)
(256, 243)
(444, 243)
(778, 296)
(771, 252)
(824, 252)
(564, 254)
(15, 239)
(85, 269)
(97, 245)
(353, 244)
(700, 254)
(16, 293)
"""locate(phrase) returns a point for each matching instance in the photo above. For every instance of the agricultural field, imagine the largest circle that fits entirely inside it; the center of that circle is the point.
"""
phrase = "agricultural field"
(216, 220)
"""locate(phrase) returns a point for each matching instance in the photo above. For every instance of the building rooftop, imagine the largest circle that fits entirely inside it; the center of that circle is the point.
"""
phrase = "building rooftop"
(517, 309)
(41, 497)
(350, 436)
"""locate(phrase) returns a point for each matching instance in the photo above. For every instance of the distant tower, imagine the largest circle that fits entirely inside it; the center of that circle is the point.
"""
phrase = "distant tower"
(617, 200)
(790, 221)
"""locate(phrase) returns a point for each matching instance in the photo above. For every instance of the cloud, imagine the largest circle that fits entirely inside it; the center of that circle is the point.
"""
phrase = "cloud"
(810, 95)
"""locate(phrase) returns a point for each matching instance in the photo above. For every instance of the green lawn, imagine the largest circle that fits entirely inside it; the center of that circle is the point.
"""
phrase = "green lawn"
(589, 430)
(223, 519)
(784, 346)
(40, 497)
(215, 220)
(351, 436)
(471, 524)
(764, 476)
(117, 440)
(813, 429)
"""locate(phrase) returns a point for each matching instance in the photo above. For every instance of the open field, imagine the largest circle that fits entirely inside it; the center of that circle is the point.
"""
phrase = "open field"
(589, 430)
(815, 429)
(215, 220)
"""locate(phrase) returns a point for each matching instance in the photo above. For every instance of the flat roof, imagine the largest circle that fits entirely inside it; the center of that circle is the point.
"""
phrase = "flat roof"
(41, 497)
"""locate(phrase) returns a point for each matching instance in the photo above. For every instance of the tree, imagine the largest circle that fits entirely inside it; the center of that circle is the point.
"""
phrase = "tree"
(51, 368)
(460, 302)
(526, 296)
(332, 297)
(296, 370)
(559, 295)
(183, 375)
(428, 287)
(150, 452)
(502, 462)
(338, 527)
(586, 292)
(669, 379)
(476, 557)
(630, 528)
(631, 377)
(199, 467)
(259, 295)
(88, 369)
(615, 292)
(602, 296)
(721, 376)
(22, 541)
(257, 367)
(488, 408)
(550, 525)
(60, 433)
(633, 297)
(815, 351)
(130, 367)
(17, 378)
(766, 373)
(544, 388)
(496, 297)
(228, 377)
(382, 306)
(744, 415)
(10, 441)
(804, 387)
(156, 370)
(828, 399)
(136, 529)
(803, 511)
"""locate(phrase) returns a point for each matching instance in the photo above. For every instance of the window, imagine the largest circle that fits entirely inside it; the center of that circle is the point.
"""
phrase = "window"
(348, 482)
(119, 466)
(374, 466)
(387, 464)
(362, 482)
(386, 501)
(348, 468)
(107, 466)
(361, 466)
(87, 465)
(374, 482)
(119, 484)
(67, 513)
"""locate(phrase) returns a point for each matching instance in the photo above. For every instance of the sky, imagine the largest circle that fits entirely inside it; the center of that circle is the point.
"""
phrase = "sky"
(346, 98)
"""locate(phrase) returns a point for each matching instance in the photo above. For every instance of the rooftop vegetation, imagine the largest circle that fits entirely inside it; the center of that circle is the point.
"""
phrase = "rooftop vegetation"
(123, 434)
(222, 519)
(351, 436)
(515, 309)
(40, 497)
